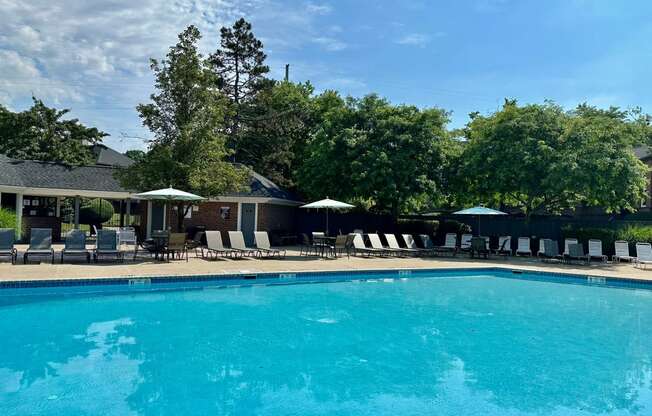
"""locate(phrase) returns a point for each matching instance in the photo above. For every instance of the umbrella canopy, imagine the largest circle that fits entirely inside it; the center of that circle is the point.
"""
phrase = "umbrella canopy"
(479, 211)
(169, 194)
(328, 204)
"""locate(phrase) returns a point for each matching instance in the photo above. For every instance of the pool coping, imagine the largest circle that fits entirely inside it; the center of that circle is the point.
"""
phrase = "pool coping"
(249, 278)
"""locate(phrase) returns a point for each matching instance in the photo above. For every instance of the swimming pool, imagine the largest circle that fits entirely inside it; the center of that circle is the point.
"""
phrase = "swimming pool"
(468, 342)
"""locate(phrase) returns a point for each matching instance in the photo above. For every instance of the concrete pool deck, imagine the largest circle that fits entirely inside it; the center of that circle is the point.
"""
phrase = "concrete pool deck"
(292, 263)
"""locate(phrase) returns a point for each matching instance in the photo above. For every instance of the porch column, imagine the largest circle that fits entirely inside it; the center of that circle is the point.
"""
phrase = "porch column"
(58, 214)
(122, 213)
(19, 216)
(149, 219)
(76, 213)
(128, 212)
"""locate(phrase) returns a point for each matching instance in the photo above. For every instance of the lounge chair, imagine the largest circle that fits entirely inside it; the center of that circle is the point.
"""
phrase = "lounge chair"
(567, 243)
(75, 246)
(237, 243)
(7, 241)
(359, 247)
(523, 247)
(262, 244)
(107, 246)
(40, 244)
(595, 250)
(392, 242)
(215, 247)
(479, 246)
(643, 255)
(411, 244)
(177, 246)
(465, 242)
(550, 251)
(542, 247)
(504, 246)
(575, 253)
(375, 242)
(622, 252)
(450, 243)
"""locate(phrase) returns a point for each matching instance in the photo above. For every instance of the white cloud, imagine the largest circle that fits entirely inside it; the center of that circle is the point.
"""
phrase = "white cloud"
(414, 39)
(330, 44)
(318, 8)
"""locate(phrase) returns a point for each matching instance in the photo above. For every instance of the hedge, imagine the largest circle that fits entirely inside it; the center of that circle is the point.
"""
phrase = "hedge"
(7, 218)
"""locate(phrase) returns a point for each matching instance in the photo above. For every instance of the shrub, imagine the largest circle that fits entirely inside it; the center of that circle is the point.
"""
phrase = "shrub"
(635, 233)
(584, 234)
(96, 212)
(404, 226)
(7, 218)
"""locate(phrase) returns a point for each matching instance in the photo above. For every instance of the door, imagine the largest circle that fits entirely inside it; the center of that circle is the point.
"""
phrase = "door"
(248, 223)
(158, 216)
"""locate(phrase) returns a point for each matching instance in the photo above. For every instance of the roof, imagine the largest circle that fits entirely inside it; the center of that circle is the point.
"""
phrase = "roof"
(642, 152)
(105, 156)
(38, 174)
(262, 187)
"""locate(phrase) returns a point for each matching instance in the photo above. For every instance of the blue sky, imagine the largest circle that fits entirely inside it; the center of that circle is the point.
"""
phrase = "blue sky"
(462, 56)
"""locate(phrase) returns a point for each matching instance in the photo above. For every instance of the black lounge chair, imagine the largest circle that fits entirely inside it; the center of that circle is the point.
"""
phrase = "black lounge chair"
(550, 251)
(576, 253)
(107, 246)
(479, 247)
(75, 246)
(7, 241)
(40, 244)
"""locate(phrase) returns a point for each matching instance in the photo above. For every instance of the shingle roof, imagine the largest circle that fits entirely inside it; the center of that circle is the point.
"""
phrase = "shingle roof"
(106, 156)
(262, 187)
(37, 174)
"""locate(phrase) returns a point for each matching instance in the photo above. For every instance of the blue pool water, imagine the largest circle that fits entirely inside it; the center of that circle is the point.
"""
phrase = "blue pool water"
(467, 343)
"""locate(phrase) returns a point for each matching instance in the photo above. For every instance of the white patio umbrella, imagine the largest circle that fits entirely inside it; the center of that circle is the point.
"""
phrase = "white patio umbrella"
(328, 204)
(169, 194)
(479, 211)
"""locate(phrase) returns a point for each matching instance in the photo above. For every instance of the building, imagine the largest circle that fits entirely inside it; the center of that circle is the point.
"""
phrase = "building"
(38, 191)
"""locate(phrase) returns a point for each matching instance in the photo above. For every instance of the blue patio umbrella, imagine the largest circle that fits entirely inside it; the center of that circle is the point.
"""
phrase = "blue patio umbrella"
(479, 211)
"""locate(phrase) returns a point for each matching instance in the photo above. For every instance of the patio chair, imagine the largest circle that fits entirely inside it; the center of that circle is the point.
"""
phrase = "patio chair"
(127, 236)
(542, 247)
(411, 244)
(7, 241)
(465, 242)
(40, 244)
(215, 247)
(575, 253)
(523, 247)
(237, 243)
(567, 243)
(392, 242)
(621, 249)
(550, 251)
(106, 245)
(450, 243)
(479, 246)
(75, 246)
(375, 242)
(343, 243)
(262, 244)
(504, 246)
(643, 255)
(177, 246)
(360, 247)
(595, 250)
(196, 243)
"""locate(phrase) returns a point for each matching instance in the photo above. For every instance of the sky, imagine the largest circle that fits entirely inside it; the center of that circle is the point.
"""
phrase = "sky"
(463, 56)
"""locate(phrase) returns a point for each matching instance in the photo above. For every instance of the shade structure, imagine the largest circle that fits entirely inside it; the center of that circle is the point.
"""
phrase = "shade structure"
(479, 211)
(328, 204)
(168, 194)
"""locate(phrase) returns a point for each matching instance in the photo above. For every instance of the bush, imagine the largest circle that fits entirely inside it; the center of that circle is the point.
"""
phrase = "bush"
(584, 234)
(450, 226)
(635, 234)
(96, 212)
(7, 218)
(417, 226)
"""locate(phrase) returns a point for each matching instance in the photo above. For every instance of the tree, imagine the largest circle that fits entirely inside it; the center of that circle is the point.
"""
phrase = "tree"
(186, 116)
(41, 133)
(390, 158)
(280, 126)
(540, 158)
(135, 155)
(239, 64)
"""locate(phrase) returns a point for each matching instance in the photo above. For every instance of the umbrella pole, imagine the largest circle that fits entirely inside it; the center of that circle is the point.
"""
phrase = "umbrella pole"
(326, 221)
(479, 217)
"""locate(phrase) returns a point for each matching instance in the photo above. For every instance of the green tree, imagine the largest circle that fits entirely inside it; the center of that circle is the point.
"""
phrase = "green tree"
(280, 126)
(186, 116)
(541, 158)
(239, 64)
(42, 133)
(389, 158)
(135, 155)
